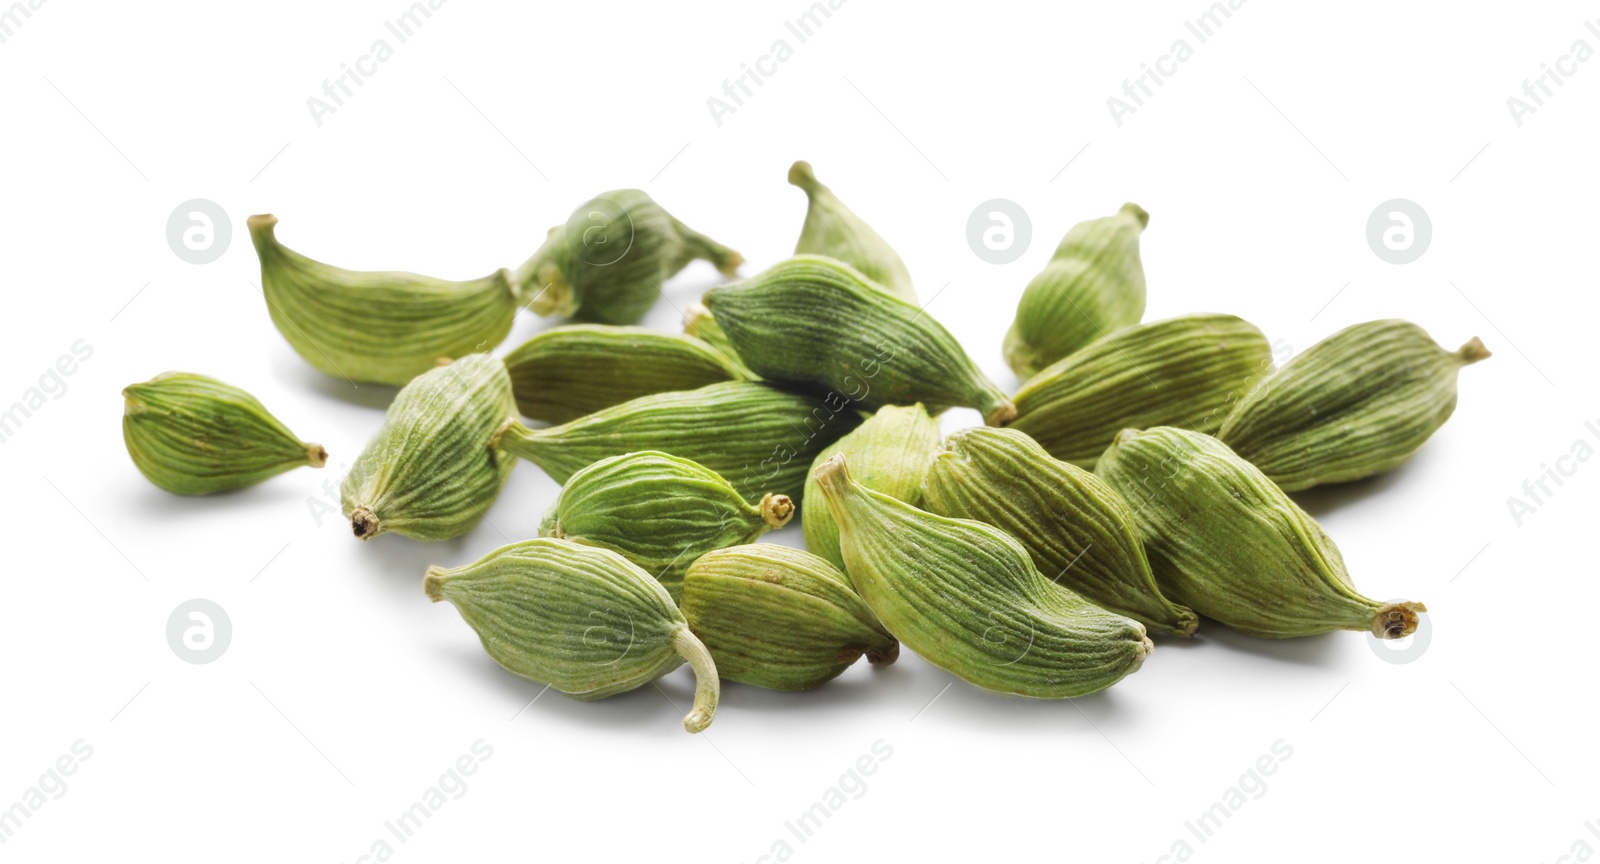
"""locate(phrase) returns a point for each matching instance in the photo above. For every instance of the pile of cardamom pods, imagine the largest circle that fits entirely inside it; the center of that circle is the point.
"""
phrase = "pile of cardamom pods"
(1137, 481)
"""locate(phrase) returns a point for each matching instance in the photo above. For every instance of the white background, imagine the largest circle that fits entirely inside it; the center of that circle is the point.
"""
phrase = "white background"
(344, 694)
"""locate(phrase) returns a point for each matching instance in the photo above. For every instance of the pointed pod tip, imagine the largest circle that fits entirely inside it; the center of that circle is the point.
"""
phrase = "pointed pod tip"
(884, 657)
(730, 264)
(1473, 351)
(777, 510)
(800, 174)
(433, 583)
(1397, 620)
(1002, 414)
(364, 523)
(833, 475)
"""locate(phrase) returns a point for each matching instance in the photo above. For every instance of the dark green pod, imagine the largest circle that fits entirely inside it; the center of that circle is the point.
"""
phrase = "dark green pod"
(966, 597)
(382, 327)
(1184, 372)
(760, 438)
(1078, 531)
(660, 512)
(1093, 285)
(1358, 403)
(431, 473)
(568, 372)
(607, 263)
(780, 618)
(1226, 541)
(193, 435)
(817, 323)
(581, 619)
(831, 229)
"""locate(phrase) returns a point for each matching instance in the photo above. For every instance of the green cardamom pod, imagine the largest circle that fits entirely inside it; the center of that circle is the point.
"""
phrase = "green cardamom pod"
(1358, 403)
(568, 372)
(815, 322)
(780, 618)
(1185, 372)
(580, 619)
(966, 597)
(381, 327)
(607, 263)
(760, 438)
(889, 453)
(1078, 531)
(193, 435)
(1094, 284)
(697, 322)
(831, 229)
(1225, 540)
(430, 473)
(660, 512)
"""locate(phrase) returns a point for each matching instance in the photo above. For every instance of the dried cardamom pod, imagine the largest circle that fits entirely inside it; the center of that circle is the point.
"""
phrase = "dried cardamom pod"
(966, 597)
(1093, 285)
(1184, 372)
(193, 435)
(1078, 531)
(382, 327)
(607, 263)
(430, 473)
(1358, 403)
(581, 619)
(780, 618)
(697, 322)
(758, 437)
(889, 453)
(815, 322)
(1226, 541)
(567, 372)
(831, 229)
(660, 512)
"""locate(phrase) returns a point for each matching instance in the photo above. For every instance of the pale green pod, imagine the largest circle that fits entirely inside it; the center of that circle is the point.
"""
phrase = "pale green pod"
(431, 473)
(697, 322)
(607, 263)
(1186, 372)
(1226, 541)
(568, 372)
(817, 323)
(1093, 285)
(780, 618)
(580, 619)
(1358, 403)
(966, 597)
(371, 326)
(1078, 531)
(889, 453)
(193, 435)
(831, 229)
(660, 512)
(760, 438)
